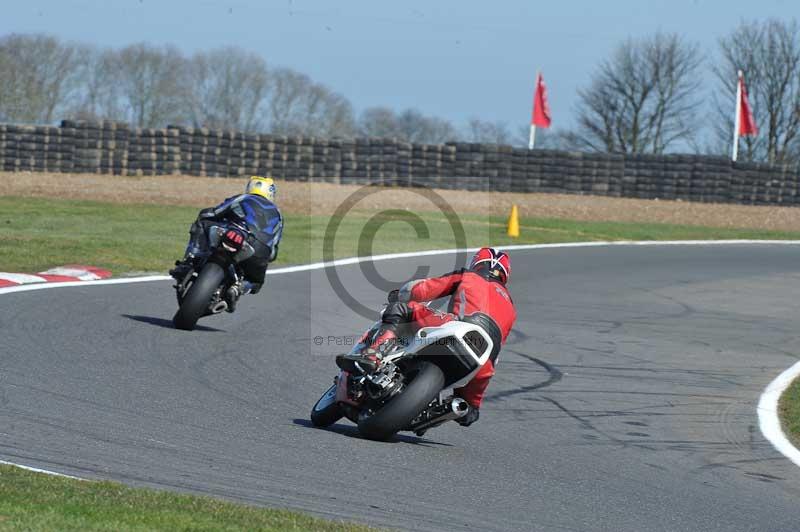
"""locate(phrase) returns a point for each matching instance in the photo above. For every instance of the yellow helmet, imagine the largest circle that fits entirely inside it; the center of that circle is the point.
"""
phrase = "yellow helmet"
(263, 186)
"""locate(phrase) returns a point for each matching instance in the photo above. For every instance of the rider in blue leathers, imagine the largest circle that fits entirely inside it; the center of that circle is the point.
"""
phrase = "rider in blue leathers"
(254, 209)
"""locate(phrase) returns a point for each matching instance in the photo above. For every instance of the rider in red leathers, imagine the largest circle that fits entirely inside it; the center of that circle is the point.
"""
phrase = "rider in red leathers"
(478, 295)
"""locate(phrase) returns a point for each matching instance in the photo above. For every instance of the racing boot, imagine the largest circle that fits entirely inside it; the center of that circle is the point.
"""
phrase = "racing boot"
(249, 287)
(252, 288)
(470, 417)
(232, 296)
(196, 246)
(368, 360)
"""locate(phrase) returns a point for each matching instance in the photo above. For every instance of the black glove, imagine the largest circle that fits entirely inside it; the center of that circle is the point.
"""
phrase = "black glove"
(472, 416)
(393, 295)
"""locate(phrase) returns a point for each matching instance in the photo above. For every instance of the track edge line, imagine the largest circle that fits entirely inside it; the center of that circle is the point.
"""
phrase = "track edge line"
(38, 470)
(768, 418)
(425, 253)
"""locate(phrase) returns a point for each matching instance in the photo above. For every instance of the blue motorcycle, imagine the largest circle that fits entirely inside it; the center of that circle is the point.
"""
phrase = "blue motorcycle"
(215, 279)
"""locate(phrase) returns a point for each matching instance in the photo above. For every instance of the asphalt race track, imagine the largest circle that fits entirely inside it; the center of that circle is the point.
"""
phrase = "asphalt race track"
(625, 400)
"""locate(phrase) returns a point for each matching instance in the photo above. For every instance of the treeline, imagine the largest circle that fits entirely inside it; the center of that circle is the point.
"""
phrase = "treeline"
(43, 80)
(649, 96)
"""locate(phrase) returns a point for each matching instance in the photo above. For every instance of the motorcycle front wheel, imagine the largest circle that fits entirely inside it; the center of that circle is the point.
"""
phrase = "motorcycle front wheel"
(198, 297)
(424, 381)
(327, 411)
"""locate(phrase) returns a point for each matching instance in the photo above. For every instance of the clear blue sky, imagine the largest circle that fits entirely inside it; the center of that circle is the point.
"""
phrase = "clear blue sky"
(450, 58)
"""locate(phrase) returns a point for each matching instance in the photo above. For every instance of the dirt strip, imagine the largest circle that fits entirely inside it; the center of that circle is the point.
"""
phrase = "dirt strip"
(321, 198)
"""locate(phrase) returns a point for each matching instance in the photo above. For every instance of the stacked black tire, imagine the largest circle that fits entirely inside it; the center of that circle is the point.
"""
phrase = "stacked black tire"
(116, 148)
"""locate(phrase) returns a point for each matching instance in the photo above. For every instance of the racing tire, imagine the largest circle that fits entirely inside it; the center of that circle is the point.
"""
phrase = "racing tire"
(426, 381)
(326, 411)
(198, 297)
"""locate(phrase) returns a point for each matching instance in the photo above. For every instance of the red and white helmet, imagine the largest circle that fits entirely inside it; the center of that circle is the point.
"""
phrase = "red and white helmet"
(491, 262)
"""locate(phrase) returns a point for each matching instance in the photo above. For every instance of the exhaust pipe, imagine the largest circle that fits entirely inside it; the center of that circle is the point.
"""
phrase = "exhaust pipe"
(457, 408)
(219, 307)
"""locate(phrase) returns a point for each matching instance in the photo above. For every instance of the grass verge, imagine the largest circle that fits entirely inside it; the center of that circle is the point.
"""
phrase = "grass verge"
(37, 233)
(789, 411)
(34, 501)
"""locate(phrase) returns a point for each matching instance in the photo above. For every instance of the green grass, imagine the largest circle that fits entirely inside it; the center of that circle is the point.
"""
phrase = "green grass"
(33, 501)
(36, 234)
(789, 411)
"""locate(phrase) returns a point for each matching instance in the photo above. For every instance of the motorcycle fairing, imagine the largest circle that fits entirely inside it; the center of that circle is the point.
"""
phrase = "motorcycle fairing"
(456, 340)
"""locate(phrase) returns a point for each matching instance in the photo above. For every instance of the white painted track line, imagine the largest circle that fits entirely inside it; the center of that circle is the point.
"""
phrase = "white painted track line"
(37, 470)
(768, 419)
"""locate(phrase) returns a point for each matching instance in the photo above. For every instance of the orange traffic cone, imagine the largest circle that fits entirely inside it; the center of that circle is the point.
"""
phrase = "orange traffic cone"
(513, 222)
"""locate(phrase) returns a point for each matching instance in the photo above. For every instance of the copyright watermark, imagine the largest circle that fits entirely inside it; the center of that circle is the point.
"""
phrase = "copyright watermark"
(350, 341)
(369, 233)
(338, 341)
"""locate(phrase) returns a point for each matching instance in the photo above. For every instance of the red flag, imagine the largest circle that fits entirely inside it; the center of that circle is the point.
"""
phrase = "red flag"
(541, 109)
(747, 123)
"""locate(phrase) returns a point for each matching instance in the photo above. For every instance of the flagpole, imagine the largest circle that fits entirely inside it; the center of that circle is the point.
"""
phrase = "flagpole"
(737, 119)
(532, 137)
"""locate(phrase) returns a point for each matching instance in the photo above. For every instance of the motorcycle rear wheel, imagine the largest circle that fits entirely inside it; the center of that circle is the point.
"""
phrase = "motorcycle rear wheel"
(326, 411)
(425, 382)
(198, 297)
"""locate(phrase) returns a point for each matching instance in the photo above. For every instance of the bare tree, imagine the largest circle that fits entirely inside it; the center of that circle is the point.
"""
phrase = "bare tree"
(99, 97)
(413, 126)
(378, 122)
(39, 76)
(339, 119)
(12, 93)
(496, 132)
(226, 88)
(298, 106)
(769, 54)
(642, 100)
(410, 126)
(150, 83)
(675, 65)
(441, 131)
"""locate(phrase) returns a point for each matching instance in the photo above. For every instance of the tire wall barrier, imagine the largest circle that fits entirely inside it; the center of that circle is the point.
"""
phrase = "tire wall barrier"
(115, 148)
